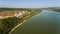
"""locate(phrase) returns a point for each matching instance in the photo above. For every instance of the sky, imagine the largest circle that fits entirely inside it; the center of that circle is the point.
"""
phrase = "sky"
(29, 3)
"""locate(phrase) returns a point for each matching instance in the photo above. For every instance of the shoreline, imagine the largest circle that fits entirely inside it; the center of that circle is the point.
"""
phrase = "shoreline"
(22, 22)
(16, 27)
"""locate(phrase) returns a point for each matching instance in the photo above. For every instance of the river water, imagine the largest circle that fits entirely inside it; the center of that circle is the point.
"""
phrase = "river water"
(46, 22)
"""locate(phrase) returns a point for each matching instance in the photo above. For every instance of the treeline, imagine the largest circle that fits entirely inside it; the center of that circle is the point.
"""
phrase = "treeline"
(54, 9)
(13, 9)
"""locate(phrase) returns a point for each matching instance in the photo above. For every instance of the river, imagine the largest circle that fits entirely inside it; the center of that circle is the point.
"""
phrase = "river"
(46, 22)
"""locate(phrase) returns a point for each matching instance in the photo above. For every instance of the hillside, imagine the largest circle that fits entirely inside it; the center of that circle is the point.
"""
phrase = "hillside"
(11, 17)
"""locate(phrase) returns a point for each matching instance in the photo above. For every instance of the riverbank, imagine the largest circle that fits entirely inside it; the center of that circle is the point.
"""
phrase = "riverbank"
(42, 23)
(25, 18)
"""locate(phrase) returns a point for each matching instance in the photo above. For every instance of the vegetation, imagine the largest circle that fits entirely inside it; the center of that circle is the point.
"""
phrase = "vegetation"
(13, 9)
(6, 25)
(53, 9)
(56, 9)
